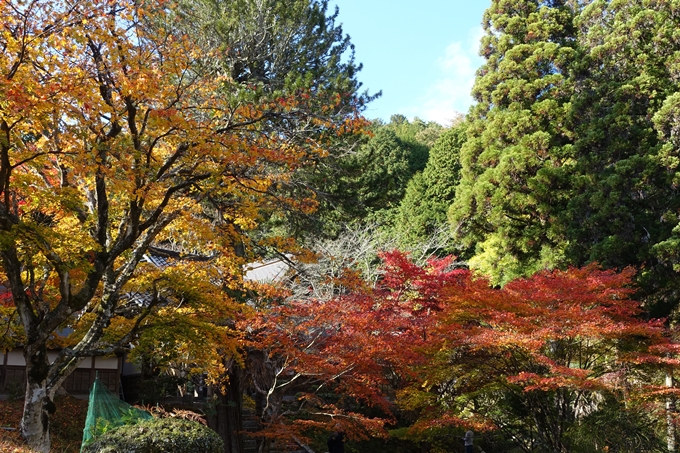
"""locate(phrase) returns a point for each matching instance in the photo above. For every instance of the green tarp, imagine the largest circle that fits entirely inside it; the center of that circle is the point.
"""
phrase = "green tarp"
(106, 411)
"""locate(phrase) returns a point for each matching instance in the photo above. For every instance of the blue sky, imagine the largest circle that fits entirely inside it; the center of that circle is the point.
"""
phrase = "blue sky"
(421, 54)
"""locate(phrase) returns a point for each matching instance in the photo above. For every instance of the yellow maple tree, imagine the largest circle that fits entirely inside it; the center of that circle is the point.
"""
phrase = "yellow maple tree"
(117, 133)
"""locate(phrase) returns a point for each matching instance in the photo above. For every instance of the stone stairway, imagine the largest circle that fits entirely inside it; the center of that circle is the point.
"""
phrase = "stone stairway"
(250, 424)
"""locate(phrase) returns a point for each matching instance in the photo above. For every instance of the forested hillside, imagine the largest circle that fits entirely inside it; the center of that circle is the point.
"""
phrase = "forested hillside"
(514, 272)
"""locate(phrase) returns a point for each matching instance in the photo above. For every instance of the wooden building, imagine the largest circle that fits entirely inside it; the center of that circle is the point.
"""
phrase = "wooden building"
(13, 374)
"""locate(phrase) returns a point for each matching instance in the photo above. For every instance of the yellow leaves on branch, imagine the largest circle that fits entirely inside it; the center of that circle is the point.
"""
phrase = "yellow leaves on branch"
(113, 126)
(98, 88)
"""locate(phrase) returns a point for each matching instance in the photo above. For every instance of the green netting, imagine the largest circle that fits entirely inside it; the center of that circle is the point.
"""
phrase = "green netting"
(106, 411)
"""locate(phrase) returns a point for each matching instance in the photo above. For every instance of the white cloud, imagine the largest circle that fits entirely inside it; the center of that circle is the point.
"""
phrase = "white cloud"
(449, 94)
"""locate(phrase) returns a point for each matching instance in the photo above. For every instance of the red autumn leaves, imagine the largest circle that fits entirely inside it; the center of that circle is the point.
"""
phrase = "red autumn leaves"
(429, 338)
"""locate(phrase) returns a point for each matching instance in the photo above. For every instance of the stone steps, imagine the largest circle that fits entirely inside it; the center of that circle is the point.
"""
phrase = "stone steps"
(251, 424)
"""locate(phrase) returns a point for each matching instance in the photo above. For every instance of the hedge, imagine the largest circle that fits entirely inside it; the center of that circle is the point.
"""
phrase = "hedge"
(158, 436)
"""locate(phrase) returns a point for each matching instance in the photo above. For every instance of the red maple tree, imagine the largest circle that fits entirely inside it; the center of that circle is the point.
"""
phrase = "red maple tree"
(531, 359)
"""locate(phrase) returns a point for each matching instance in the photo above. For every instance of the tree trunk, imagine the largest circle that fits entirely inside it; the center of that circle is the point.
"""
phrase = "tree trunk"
(38, 405)
(42, 381)
(670, 417)
(227, 419)
(35, 423)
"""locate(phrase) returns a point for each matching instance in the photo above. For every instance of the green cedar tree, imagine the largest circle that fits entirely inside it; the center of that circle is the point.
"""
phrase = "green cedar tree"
(623, 202)
(430, 193)
(518, 140)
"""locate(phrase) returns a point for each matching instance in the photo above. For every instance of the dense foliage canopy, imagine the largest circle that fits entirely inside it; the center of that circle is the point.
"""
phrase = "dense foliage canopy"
(118, 131)
(150, 149)
(569, 156)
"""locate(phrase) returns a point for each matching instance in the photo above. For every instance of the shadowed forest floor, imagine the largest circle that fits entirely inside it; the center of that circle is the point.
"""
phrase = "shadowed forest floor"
(66, 429)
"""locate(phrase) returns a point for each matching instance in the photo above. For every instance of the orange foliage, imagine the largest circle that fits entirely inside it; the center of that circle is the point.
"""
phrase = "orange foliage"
(117, 132)
(446, 344)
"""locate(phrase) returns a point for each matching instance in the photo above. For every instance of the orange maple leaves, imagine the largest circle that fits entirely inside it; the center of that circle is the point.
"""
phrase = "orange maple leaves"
(433, 336)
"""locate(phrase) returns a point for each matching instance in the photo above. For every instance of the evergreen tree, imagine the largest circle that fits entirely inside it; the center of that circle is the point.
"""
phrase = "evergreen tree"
(430, 193)
(418, 136)
(518, 140)
(277, 48)
(382, 170)
(624, 203)
(368, 185)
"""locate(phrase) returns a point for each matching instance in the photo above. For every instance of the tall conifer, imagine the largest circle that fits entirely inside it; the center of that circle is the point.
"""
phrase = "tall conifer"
(624, 202)
(518, 139)
(423, 209)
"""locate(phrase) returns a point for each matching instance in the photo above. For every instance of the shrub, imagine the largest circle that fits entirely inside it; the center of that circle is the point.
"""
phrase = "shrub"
(158, 436)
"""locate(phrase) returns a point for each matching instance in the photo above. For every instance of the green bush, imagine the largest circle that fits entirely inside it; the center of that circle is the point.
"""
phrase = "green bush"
(158, 436)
